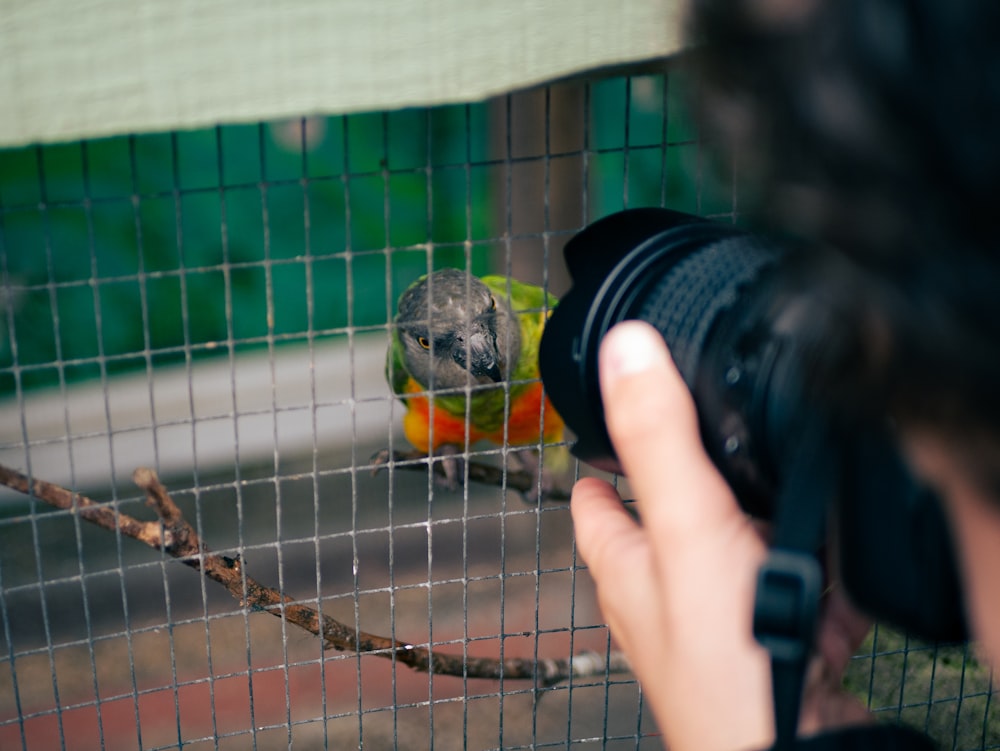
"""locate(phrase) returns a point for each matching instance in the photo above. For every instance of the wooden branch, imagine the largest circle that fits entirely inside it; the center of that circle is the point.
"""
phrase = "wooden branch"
(174, 535)
(487, 474)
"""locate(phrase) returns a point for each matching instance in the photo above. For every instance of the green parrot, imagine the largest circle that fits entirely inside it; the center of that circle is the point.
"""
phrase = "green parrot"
(458, 341)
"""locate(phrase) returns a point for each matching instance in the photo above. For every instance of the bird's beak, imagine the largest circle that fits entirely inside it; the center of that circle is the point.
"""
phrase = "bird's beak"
(482, 358)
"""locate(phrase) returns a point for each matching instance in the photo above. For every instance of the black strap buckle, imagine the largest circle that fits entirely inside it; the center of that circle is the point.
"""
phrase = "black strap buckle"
(789, 585)
(788, 588)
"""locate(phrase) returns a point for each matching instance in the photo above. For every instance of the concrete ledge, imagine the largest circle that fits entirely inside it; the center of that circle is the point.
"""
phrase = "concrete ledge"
(219, 413)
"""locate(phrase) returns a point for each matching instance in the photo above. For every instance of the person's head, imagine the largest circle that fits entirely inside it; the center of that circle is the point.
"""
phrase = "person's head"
(870, 130)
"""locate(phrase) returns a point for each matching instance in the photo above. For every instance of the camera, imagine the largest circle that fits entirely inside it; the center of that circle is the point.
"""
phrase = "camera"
(747, 333)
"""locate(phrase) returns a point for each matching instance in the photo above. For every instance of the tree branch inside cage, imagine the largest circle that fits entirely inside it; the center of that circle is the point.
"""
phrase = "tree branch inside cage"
(176, 537)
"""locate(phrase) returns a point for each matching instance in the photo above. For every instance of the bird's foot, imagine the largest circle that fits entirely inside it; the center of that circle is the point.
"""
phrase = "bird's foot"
(450, 469)
(446, 466)
(380, 459)
(453, 466)
(545, 484)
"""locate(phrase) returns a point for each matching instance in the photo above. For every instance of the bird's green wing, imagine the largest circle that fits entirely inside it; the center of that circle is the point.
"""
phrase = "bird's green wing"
(522, 296)
(395, 371)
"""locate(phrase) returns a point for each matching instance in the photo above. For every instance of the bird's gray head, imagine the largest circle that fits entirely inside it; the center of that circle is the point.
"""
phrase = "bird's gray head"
(454, 331)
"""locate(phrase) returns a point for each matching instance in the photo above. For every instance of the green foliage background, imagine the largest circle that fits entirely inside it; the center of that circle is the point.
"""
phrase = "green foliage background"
(128, 252)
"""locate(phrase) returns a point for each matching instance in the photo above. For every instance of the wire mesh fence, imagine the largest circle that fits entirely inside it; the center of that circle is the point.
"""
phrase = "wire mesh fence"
(216, 306)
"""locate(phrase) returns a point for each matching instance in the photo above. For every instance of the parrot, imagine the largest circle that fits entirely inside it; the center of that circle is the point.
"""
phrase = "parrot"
(458, 343)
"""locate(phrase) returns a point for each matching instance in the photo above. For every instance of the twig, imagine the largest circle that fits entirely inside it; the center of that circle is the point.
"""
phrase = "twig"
(487, 474)
(173, 534)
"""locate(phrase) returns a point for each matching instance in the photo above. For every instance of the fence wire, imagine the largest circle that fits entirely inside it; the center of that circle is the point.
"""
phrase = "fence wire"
(216, 305)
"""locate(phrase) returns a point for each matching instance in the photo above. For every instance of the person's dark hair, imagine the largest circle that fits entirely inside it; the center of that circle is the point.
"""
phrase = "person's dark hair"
(872, 127)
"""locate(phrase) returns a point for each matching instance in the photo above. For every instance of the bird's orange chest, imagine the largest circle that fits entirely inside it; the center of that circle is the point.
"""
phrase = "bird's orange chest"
(447, 428)
(524, 423)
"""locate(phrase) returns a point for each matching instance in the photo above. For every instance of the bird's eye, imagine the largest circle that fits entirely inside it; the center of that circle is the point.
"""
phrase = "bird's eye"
(424, 342)
(493, 303)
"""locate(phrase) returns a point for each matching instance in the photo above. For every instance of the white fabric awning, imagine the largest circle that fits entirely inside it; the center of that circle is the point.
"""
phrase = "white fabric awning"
(83, 69)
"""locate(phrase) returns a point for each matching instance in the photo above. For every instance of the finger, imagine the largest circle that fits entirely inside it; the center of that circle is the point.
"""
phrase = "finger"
(618, 553)
(601, 524)
(653, 424)
(841, 631)
(825, 705)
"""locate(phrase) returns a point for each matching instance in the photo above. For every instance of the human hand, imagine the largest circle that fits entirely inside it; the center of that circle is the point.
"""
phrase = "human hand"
(678, 590)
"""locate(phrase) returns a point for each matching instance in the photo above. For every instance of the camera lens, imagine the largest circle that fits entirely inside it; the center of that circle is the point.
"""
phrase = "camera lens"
(754, 343)
(700, 284)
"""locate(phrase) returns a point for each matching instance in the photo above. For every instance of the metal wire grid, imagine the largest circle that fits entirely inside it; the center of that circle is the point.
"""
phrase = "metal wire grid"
(100, 639)
(199, 487)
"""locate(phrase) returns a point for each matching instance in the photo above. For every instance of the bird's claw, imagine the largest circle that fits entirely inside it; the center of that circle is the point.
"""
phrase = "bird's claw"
(380, 459)
(449, 475)
(453, 467)
(545, 484)
(448, 466)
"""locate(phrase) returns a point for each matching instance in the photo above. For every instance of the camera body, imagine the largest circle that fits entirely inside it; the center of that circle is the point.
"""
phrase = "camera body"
(747, 337)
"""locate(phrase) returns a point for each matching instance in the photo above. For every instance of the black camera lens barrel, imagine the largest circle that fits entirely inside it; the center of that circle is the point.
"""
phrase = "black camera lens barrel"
(696, 288)
(747, 341)
(685, 276)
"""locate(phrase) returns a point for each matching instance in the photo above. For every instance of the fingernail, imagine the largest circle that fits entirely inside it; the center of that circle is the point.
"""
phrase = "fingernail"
(631, 347)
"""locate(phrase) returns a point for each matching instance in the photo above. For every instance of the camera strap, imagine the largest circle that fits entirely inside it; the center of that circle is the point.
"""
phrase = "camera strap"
(789, 582)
